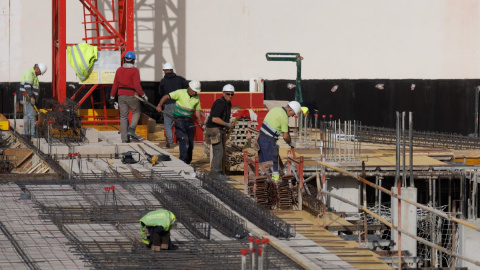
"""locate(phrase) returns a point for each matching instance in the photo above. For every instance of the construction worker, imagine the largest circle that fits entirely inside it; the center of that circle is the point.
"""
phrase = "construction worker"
(274, 125)
(28, 96)
(168, 84)
(126, 84)
(187, 103)
(218, 124)
(155, 229)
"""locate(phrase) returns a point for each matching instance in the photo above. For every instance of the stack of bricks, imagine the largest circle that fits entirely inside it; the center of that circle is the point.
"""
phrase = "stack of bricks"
(241, 134)
(240, 140)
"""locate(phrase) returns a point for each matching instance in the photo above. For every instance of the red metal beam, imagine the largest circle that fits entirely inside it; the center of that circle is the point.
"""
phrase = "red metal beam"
(59, 50)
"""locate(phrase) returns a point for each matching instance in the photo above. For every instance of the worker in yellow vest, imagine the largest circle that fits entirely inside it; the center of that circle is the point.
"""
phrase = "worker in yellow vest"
(155, 229)
(28, 96)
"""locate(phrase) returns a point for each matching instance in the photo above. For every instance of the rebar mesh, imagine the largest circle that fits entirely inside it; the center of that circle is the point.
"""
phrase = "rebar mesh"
(246, 207)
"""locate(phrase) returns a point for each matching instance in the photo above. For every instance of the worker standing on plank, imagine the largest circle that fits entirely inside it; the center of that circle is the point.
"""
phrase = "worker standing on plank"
(168, 84)
(155, 229)
(218, 124)
(126, 84)
(274, 125)
(28, 97)
(187, 103)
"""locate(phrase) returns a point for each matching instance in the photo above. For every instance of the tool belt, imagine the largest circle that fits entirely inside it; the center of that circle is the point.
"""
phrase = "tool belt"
(268, 137)
(213, 135)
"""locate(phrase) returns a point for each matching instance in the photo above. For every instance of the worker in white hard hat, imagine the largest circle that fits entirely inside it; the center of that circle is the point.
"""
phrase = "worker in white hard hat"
(187, 103)
(217, 126)
(28, 96)
(275, 125)
(168, 84)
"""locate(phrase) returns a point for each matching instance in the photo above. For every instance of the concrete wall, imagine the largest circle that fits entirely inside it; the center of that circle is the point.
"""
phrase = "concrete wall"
(213, 40)
(345, 187)
(469, 245)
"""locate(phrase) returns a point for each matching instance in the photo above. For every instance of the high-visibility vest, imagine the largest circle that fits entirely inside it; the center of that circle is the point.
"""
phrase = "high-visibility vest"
(29, 84)
(81, 58)
(160, 217)
(304, 110)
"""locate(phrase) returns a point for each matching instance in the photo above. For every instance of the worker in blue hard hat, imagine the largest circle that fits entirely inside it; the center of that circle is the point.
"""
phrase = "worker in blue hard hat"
(275, 125)
(155, 229)
(28, 96)
(126, 84)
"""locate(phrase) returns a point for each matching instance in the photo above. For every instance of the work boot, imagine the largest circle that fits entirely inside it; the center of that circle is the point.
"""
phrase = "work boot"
(131, 132)
(169, 145)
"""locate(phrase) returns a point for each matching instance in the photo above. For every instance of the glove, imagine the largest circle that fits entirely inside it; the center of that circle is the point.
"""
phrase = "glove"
(145, 98)
(228, 125)
(111, 101)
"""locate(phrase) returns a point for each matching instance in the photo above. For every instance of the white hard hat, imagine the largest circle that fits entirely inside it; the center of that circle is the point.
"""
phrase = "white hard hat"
(228, 88)
(195, 85)
(167, 66)
(42, 67)
(295, 106)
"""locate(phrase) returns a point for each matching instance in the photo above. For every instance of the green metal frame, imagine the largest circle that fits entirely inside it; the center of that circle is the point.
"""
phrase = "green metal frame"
(292, 57)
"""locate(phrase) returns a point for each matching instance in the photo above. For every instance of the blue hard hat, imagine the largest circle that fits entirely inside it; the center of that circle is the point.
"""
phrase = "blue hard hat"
(130, 55)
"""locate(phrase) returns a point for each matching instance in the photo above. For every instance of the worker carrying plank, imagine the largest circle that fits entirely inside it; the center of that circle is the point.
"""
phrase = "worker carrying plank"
(187, 103)
(274, 125)
(218, 124)
(126, 84)
(28, 96)
(155, 229)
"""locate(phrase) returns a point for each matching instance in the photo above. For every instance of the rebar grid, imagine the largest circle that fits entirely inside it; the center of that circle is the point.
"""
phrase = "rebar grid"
(246, 207)
(61, 122)
(204, 206)
(420, 138)
(190, 255)
(195, 225)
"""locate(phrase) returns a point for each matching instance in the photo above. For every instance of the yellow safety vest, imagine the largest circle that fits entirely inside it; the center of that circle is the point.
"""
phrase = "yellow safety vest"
(81, 58)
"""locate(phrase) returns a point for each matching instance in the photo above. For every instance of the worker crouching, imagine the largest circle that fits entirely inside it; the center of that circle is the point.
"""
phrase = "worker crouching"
(155, 229)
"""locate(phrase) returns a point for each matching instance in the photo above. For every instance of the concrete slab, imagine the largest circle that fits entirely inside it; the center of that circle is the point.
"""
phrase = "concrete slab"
(91, 135)
(94, 148)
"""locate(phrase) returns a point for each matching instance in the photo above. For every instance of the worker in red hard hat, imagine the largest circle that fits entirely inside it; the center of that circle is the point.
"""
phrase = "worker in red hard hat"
(28, 96)
(126, 84)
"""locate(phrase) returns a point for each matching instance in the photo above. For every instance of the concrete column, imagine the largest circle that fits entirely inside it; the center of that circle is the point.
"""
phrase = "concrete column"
(468, 244)
(409, 219)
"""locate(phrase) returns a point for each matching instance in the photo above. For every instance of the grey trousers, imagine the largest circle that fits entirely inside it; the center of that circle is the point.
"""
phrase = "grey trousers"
(126, 103)
(217, 156)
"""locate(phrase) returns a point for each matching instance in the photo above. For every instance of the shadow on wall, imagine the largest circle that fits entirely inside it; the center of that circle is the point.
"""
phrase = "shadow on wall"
(168, 25)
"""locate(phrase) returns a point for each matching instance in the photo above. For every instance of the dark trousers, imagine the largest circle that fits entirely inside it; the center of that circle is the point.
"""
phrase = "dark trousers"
(268, 151)
(218, 151)
(159, 238)
(185, 132)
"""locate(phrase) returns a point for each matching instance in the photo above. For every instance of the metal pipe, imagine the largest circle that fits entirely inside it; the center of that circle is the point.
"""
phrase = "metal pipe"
(399, 223)
(15, 112)
(404, 174)
(421, 206)
(400, 230)
(397, 151)
(410, 146)
(477, 90)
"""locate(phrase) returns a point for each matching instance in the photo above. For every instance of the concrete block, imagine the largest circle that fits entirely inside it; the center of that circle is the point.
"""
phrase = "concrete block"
(94, 148)
(52, 149)
(91, 135)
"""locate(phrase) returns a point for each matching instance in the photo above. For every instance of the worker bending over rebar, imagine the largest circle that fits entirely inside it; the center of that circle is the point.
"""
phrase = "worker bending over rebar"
(155, 229)
(274, 125)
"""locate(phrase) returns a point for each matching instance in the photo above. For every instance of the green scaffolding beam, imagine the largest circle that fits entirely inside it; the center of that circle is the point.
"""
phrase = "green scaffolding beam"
(292, 57)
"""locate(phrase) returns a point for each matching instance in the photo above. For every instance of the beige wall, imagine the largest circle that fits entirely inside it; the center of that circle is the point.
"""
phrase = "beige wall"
(228, 39)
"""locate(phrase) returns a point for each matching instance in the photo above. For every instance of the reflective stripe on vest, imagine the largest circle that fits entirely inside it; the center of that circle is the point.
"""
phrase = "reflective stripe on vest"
(82, 61)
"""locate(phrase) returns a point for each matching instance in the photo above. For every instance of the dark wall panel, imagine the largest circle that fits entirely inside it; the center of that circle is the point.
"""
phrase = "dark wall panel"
(437, 105)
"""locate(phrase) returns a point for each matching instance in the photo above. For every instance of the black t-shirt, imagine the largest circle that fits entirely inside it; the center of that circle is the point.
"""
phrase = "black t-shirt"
(221, 108)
